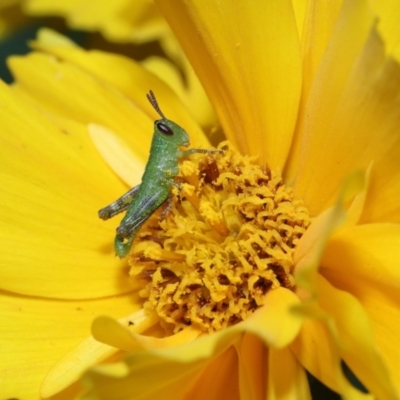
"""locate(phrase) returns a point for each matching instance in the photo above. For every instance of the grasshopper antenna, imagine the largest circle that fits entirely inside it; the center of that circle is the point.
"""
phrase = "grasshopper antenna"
(153, 101)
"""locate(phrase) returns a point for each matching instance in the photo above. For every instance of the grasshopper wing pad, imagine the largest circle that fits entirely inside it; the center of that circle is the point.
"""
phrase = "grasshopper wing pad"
(142, 210)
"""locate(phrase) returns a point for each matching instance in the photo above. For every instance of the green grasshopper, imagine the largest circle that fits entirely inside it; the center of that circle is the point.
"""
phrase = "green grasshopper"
(157, 181)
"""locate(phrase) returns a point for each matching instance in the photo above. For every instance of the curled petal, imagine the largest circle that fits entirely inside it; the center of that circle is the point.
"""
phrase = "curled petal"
(363, 261)
(310, 248)
(287, 379)
(356, 340)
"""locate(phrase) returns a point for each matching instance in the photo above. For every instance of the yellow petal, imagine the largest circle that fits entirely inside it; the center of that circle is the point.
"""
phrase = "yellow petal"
(349, 392)
(176, 368)
(73, 364)
(356, 340)
(319, 23)
(67, 91)
(190, 91)
(130, 79)
(317, 348)
(300, 9)
(329, 75)
(35, 333)
(136, 381)
(309, 250)
(196, 98)
(52, 241)
(317, 352)
(252, 359)
(381, 203)
(87, 353)
(364, 261)
(107, 330)
(248, 59)
(117, 154)
(218, 379)
(352, 107)
(316, 21)
(357, 206)
(287, 379)
(275, 322)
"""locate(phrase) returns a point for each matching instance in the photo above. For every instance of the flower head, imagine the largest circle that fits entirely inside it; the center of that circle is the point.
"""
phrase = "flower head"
(262, 268)
(228, 239)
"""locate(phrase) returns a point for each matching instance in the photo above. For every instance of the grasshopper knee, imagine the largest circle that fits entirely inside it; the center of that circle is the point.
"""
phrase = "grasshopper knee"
(105, 213)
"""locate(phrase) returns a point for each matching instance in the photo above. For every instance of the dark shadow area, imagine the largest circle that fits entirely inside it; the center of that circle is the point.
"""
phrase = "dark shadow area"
(319, 391)
(17, 42)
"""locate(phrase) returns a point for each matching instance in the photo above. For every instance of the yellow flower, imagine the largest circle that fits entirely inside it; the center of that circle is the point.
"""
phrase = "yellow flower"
(288, 85)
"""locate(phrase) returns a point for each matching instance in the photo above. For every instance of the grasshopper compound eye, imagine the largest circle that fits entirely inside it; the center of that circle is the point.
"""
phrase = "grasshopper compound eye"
(165, 129)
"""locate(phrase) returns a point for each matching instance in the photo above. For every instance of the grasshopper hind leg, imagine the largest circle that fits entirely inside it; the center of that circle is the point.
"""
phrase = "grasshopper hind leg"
(119, 205)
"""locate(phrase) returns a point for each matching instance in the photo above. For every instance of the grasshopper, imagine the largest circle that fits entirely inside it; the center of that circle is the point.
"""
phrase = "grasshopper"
(157, 181)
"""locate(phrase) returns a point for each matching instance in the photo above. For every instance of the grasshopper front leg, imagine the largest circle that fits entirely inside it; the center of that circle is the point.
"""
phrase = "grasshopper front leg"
(189, 152)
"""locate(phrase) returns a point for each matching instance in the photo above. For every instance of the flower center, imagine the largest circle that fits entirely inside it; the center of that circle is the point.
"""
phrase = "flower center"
(227, 238)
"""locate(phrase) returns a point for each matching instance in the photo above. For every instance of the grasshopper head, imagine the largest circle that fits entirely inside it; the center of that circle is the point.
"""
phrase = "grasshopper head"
(165, 128)
(171, 132)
